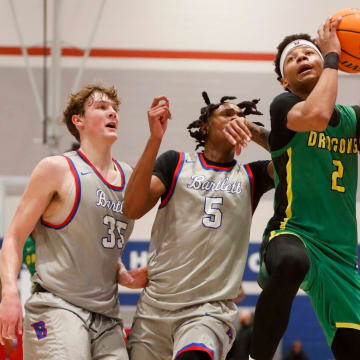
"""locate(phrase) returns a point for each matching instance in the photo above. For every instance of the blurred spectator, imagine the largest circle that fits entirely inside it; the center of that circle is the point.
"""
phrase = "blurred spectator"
(296, 352)
(241, 346)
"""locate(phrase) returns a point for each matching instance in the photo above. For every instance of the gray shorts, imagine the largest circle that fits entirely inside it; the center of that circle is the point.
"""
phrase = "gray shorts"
(56, 329)
(163, 335)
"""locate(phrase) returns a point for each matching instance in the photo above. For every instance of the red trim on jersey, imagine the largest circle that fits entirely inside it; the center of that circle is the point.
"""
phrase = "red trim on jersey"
(174, 180)
(196, 347)
(251, 178)
(76, 202)
(113, 187)
(213, 167)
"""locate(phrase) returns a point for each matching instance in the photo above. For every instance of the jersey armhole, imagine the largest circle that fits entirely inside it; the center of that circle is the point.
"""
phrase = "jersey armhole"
(76, 202)
(175, 177)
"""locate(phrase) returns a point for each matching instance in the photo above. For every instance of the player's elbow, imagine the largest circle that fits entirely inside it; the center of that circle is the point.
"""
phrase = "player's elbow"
(131, 212)
(316, 121)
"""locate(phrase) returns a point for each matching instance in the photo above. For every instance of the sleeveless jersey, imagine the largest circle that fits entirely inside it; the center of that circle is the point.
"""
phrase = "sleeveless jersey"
(77, 260)
(316, 181)
(200, 237)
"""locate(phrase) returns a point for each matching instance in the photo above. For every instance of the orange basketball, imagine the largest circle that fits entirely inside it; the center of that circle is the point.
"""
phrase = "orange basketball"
(348, 33)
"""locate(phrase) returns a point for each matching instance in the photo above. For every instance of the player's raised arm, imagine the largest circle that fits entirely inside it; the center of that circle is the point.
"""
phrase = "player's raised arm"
(317, 108)
(143, 189)
(36, 198)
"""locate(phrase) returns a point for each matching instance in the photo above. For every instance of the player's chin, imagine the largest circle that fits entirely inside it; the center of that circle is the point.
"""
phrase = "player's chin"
(111, 137)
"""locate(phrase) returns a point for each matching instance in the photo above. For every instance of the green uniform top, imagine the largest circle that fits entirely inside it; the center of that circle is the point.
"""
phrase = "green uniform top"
(29, 256)
(316, 181)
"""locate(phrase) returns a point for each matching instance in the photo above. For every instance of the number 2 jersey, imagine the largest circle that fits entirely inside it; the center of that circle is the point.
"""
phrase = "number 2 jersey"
(200, 237)
(316, 180)
(77, 259)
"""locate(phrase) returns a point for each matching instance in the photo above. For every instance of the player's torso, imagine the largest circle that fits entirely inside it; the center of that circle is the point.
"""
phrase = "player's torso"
(200, 235)
(77, 259)
(316, 181)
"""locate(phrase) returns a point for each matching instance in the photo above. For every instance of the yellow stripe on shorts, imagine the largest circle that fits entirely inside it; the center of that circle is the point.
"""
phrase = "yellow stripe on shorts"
(347, 325)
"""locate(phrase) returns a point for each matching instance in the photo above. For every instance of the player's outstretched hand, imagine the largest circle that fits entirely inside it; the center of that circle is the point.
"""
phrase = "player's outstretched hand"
(10, 317)
(327, 39)
(158, 115)
(237, 133)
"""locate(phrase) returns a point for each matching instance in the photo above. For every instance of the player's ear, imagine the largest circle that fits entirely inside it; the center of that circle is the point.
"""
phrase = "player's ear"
(204, 128)
(284, 83)
(77, 120)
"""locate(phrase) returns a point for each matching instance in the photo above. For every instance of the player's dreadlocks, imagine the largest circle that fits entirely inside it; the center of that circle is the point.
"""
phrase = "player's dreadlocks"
(206, 111)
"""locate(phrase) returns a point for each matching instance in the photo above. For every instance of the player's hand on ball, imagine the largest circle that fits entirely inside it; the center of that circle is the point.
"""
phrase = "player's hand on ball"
(327, 39)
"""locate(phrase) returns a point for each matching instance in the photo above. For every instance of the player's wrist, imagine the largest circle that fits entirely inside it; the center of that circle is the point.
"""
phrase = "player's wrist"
(331, 60)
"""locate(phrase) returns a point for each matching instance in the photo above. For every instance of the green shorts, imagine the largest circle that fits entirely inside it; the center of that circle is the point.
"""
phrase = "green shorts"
(333, 287)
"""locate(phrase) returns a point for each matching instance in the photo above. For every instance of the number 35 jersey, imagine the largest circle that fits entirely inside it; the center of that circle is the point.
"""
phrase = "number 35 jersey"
(77, 259)
(200, 237)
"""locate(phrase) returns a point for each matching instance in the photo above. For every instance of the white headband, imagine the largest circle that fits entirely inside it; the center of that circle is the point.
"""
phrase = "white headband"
(294, 44)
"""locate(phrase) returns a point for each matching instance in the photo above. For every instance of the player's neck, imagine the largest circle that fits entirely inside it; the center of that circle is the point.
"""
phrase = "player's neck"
(98, 154)
(215, 155)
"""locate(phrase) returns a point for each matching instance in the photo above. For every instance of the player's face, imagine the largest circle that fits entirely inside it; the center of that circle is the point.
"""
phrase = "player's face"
(217, 122)
(302, 69)
(101, 117)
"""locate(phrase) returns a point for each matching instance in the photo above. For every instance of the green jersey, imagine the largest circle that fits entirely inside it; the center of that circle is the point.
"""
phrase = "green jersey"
(29, 256)
(316, 181)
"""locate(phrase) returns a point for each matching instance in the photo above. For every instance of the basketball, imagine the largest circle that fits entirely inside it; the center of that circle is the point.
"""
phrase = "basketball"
(348, 33)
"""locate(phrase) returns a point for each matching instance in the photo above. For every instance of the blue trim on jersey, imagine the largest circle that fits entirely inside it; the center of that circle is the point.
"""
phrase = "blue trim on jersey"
(174, 180)
(122, 173)
(77, 201)
(196, 347)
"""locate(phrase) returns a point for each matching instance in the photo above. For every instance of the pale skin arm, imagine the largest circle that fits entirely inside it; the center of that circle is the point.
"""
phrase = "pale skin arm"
(42, 188)
(315, 112)
(144, 190)
(132, 279)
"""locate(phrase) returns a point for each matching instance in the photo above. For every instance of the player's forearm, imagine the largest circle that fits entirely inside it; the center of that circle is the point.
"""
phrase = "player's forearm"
(137, 194)
(260, 135)
(315, 112)
(322, 99)
(10, 263)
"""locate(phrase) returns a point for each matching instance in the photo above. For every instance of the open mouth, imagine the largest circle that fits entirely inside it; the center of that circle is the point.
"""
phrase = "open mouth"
(111, 125)
(304, 68)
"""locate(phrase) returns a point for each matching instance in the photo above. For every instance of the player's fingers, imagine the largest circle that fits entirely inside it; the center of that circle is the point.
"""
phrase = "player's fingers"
(238, 149)
(241, 127)
(229, 137)
(336, 24)
(238, 134)
(157, 100)
(2, 340)
(158, 112)
(11, 332)
(20, 326)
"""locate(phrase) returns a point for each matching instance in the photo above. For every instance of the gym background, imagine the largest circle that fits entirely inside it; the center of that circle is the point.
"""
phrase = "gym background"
(147, 48)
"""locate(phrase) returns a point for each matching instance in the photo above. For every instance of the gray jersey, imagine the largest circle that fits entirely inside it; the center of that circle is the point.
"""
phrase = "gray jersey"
(200, 237)
(77, 260)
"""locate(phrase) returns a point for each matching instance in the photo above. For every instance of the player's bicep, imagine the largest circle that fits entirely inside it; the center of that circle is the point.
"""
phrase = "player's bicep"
(157, 189)
(38, 194)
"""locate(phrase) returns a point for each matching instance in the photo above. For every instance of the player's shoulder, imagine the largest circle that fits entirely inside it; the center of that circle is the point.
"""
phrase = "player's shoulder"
(52, 166)
(285, 97)
(169, 156)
